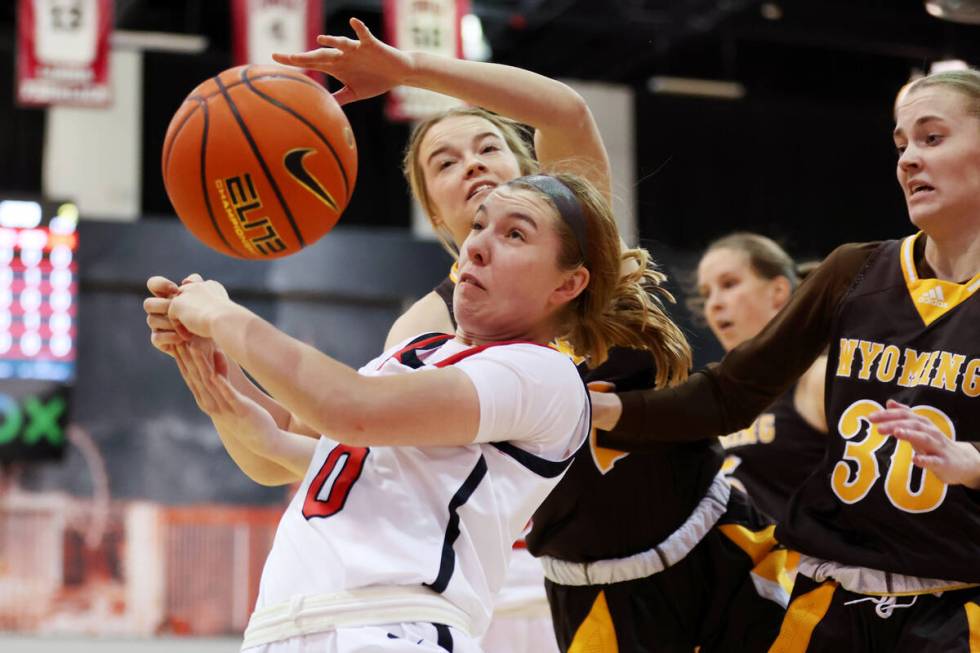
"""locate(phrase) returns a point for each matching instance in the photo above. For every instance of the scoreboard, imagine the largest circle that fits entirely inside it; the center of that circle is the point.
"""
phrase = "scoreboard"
(38, 325)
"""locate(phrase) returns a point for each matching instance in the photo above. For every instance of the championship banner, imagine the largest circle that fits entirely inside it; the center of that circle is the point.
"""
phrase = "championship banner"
(63, 52)
(428, 26)
(262, 27)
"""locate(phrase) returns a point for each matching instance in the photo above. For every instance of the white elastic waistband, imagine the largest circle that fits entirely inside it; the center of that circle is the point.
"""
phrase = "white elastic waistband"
(652, 561)
(862, 580)
(369, 606)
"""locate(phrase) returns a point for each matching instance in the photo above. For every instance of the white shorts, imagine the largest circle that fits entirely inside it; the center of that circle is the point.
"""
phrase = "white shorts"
(390, 638)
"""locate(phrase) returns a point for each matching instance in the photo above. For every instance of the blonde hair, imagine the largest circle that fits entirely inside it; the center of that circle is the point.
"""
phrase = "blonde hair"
(964, 82)
(767, 259)
(615, 309)
(514, 136)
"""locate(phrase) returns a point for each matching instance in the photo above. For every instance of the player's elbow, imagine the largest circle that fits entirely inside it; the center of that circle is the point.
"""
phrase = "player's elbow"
(575, 112)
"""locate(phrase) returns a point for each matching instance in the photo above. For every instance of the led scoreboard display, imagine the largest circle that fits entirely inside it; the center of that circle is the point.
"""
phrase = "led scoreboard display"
(38, 325)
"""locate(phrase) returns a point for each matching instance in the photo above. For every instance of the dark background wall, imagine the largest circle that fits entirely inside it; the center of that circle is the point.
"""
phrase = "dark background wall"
(339, 295)
(806, 156)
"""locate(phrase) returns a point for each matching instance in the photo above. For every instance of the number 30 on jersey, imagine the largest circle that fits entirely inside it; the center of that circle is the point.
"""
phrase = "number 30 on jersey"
(852, 482)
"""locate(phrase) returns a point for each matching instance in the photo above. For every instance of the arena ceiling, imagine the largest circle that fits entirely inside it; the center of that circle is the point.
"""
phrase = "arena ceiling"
(842, 45)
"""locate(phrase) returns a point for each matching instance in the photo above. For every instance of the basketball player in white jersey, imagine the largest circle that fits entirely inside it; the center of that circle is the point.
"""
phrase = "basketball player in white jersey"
(401, 529)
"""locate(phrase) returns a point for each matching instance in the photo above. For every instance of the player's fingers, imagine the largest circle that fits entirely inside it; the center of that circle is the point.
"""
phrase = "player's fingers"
(159, 322)
(285, 59)
(192, 278)
(891, 403)
(344, 96)
(927, 461)
(157, 305)
(890, 415)
(182, 331)
(188, 373)
(165, 340)
(203, 363)
(361, 30)
(204, 375)
(921, 441)
(341, 43)
(226, 394)
(890, 426)
(161, 286)
(220, 363)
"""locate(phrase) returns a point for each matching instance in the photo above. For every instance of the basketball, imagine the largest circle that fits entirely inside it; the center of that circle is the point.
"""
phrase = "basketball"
(259, 162)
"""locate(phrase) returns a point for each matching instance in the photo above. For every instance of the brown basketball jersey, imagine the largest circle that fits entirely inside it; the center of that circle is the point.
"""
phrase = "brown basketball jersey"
(611, 504)
(896, 335)
(774, 456)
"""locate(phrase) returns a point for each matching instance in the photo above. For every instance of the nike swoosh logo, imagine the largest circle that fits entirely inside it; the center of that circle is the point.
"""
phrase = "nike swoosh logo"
(293, 162)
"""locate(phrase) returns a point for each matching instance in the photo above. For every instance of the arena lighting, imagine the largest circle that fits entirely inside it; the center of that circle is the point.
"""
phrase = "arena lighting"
(18, 214)
(948, 64)
(957, 11)
(475, 46)
(710, 88)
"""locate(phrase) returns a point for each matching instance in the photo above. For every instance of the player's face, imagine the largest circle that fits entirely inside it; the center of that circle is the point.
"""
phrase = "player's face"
(463, 158)
(939, 157)
(737, 301)
(509, 278)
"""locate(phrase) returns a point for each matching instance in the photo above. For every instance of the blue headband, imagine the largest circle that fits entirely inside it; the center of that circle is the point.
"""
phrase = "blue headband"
(569, 208)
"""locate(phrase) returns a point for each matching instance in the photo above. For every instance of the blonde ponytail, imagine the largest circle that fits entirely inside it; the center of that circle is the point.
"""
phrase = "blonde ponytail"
(616, 309)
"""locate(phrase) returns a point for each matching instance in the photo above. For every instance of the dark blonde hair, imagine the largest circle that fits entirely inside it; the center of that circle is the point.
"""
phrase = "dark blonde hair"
(615, 309)
(766, 258)
(514, 136)
(964, 82)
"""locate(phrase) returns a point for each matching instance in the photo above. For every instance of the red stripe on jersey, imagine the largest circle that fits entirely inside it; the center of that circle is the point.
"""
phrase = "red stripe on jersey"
(455, 358)
(442, 337)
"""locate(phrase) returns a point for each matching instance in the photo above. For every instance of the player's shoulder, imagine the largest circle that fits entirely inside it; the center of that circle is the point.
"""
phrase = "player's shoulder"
(529, 351)
(853, 255)
(427, 314)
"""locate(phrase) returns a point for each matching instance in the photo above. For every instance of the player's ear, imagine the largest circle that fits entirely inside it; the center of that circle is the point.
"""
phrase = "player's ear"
(573, 285)
(780, 289)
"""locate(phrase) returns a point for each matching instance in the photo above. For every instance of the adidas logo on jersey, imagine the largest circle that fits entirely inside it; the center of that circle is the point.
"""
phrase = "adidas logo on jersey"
(935, 297)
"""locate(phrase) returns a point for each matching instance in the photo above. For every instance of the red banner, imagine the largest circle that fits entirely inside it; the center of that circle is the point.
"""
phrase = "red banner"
(261, 27)
(63, 52)
(429, 26)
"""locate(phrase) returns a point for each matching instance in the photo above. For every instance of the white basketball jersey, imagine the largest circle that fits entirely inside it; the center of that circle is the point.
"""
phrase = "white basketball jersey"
(440, 517)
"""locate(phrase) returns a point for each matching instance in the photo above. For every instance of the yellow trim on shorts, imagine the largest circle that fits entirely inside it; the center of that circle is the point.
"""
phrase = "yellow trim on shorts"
(596, 633)
(802, 617)
(756, 544)
(779, 566)
(973, 623)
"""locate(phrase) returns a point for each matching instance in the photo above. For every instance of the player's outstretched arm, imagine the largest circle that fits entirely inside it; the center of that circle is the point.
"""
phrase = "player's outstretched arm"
(267, 454)
(566, 132)
(164, 336)
(438, 407)
(955, 463)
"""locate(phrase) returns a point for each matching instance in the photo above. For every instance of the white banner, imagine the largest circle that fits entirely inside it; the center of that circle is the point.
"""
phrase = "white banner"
(431, 26)
(261, 27)
(63, 52)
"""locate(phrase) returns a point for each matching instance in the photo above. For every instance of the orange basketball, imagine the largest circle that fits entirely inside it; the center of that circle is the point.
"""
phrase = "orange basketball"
(259, 162)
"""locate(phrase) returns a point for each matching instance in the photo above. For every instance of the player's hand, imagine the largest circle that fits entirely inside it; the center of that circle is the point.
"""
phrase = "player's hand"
(606, 407)
(952, 462)
(195, 306)
(365, 66)
(163, 334)
(205, 371)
